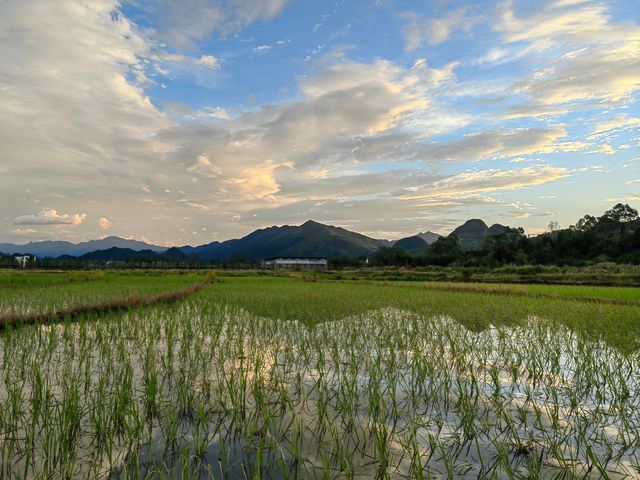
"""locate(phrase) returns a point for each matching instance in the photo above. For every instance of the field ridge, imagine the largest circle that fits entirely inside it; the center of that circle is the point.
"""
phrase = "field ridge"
(109, 306)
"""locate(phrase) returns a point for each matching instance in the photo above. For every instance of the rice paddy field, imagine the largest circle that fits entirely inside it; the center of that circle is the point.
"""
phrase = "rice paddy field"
(275, 377)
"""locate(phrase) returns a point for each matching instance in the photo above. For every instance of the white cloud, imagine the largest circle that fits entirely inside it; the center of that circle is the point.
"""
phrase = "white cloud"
(50, 216)
(77, 126)
(590, 58)
(512, 112)
(491, 180)
(624, 198)
(104, 223)
(24, 232)
(419, 31)
(611, 126)
(258, 182)
(204, 168)
(604, 148)
(396, 203)
(209, 61)
(502, 144)
(164, 59)
(184, 23)
(69, 103)
(494, 55)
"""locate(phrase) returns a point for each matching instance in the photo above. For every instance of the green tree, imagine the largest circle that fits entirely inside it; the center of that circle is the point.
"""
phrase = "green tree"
(587, 222)
(443, 251)
(507, 247)
(619, 218)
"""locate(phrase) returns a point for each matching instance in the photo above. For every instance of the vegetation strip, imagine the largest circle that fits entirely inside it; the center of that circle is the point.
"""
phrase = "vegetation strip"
(524, 293)
(475, 288)
(115, 305)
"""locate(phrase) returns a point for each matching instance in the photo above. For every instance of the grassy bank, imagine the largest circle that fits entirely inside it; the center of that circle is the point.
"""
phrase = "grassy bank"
(46, 294)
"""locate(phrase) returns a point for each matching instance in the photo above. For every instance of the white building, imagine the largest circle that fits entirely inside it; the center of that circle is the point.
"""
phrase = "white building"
(295, 263)
(23, 260)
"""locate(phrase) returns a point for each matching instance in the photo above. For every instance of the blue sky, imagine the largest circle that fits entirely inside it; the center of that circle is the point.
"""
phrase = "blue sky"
(193, 121)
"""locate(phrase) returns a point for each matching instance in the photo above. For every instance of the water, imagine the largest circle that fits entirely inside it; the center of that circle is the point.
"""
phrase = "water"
(384, 394)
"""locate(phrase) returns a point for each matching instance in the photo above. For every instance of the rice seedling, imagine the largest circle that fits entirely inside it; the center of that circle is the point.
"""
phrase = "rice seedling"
(55, 296)
(210, 388)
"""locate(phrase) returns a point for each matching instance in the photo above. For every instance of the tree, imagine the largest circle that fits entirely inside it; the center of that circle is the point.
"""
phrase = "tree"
(506, 247)
(444, 251)
(619, 218)
(553, 227)
(621, 214)
(587, 222)
(392, 256)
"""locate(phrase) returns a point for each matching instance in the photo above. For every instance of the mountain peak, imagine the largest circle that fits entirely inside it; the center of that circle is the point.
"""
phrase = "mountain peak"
(414, 243)
(428, 236)
(310, 223)
(474, 226)
(311, 239)
(496, 229)
(473, 233)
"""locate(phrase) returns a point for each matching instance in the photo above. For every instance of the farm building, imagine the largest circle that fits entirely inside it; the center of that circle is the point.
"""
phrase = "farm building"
(23, 260)
(295, 263)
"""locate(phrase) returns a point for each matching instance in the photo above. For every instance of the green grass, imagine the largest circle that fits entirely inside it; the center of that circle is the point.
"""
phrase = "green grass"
(313, 302)
(601, 274)
(587, 292)
(29, 293)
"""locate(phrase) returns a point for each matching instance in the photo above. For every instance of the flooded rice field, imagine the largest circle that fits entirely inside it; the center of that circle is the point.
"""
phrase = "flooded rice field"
(201, 390)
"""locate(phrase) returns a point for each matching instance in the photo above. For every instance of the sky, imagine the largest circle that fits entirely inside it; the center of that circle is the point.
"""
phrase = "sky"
(200, 120)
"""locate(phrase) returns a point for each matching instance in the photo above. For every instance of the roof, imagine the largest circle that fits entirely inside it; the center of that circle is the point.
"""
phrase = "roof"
(322, 259)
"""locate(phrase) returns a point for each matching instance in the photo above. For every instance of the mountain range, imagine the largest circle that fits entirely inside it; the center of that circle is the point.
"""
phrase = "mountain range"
(311, 239)
(56, 248)
(117, 254)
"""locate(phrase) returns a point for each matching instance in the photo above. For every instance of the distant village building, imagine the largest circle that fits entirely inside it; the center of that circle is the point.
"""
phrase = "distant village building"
(295, 263)
(24, 260)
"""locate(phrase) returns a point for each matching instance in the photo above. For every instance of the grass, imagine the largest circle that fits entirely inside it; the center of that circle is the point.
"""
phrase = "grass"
(604, 274)
(620, 295)
(33, 294)
(313, 302)
(107, 306)
(267, 377)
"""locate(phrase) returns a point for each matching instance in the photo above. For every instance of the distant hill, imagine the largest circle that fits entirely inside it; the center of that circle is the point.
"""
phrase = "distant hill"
(496, 229)
(414, 244)
(311, 239)
(473, 233)
(201, 248)
(116, 254)
(428, 237)
(175, 254)
(50, 248)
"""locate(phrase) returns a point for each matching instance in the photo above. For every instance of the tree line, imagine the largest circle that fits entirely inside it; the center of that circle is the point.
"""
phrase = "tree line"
(612, 237)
